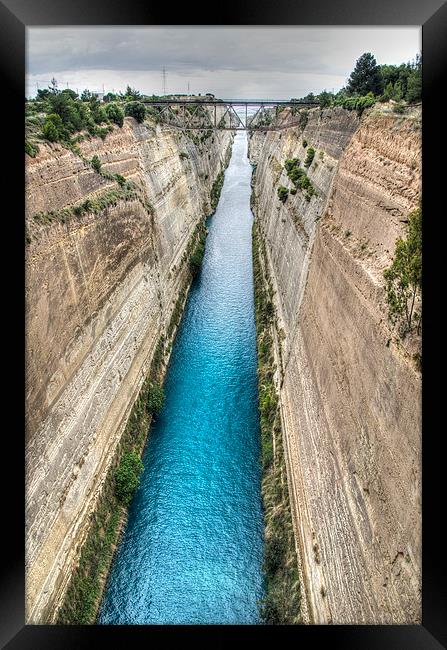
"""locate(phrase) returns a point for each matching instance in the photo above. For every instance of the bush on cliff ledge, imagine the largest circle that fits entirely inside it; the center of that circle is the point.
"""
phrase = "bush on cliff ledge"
(155, 398)
(115, 113)
(127, 476)
(136, 110)
(404, 277)
(283, 193)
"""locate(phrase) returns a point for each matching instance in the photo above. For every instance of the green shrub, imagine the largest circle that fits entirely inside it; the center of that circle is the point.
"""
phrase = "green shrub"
(196, 259)
(99, 115)
(293, 190)
(398, 108)
(304, 143)
(309, 157)
(96, 163)
(155, 398)
(120, 179)
(296, 174)
(31, 149)
(403, 279)
(127, 476)
(53, 129)
(216, 190)
(356, 103)
(115, 113)
(304, 182)
(283, 193)
(183, 155)
(274, 554)
(136, 110)
(290, 164)
(102, 131)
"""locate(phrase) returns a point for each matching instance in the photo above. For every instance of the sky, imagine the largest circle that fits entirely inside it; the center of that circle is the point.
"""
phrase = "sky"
(230, 62)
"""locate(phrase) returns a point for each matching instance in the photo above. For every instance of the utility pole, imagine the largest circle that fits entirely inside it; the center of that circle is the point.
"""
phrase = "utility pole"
(188, 87)
(164, 80)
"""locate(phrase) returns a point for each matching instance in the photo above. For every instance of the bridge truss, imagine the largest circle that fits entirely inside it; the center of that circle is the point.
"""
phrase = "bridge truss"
(228, 115)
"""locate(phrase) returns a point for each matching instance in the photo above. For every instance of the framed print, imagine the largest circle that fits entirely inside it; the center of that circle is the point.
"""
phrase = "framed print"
(230, 398)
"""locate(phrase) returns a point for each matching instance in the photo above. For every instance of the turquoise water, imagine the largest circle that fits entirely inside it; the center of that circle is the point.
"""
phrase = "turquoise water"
(192, 549)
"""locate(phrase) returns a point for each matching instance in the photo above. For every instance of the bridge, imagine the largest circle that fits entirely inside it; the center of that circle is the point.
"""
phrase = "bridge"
(227, 114)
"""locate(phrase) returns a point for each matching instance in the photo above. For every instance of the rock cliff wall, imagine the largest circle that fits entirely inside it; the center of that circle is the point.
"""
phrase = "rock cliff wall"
(350, 392)
(101, 286)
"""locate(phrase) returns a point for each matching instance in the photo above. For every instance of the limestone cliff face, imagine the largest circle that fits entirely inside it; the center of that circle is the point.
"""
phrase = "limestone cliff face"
(350, 394)
(100, 290)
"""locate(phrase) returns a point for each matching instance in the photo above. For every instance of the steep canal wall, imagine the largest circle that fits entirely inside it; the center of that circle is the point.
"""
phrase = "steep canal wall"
(106, 263)
(349, 390)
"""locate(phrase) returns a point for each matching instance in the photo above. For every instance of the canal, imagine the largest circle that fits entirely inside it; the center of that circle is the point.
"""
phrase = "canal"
(192, 549)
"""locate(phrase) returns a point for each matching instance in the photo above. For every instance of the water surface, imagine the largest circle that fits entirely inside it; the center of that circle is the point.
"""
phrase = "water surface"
(192, 549)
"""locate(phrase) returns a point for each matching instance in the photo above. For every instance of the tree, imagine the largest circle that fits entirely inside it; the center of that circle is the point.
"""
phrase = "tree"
(86, 95)
(132, 94)
(43, 93)
(115, 113)
(388, 92)
(71, 93)
(325, 99)
(53, 86)
(414, 81)
(136, 110)
(53, 129)
(71, 112)
(403, 278)
(110, 97)
(365, 77)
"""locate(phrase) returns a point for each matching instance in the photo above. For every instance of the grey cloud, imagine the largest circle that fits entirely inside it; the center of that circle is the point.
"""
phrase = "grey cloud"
(211, 50)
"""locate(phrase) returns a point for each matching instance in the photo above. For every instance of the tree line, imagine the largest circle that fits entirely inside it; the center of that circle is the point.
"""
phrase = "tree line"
(370, 82)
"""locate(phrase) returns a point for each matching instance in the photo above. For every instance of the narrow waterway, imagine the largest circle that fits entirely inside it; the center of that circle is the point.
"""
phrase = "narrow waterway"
(192, 549)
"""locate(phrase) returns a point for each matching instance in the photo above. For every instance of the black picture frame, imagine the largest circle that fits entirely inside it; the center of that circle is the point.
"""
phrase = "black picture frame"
(15, 16)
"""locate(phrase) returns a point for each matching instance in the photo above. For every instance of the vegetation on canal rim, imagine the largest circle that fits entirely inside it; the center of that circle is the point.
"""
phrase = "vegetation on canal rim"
(281, 604)
(370, 83)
